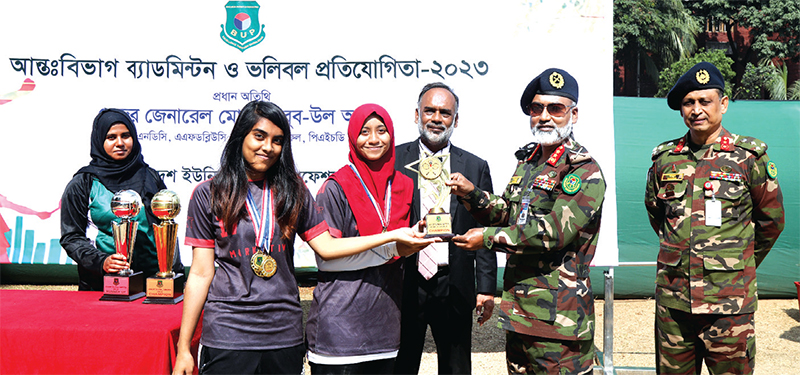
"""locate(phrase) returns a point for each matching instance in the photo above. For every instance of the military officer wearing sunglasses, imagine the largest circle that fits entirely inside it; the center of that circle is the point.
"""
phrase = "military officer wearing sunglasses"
(548, 220)
(714, 201)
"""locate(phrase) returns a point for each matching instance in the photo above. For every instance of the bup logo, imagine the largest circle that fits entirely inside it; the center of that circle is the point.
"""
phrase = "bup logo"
(242, 30)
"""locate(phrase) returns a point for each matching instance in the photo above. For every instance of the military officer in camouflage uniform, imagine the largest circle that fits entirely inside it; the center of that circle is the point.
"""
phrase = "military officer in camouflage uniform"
(714, 201)
(548, 220)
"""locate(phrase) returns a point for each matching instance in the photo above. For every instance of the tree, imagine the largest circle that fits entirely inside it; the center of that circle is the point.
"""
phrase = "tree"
(669, 76)
(776, 26)
(654, 33)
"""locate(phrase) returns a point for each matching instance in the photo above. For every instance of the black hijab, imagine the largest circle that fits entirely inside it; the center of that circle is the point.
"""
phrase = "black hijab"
(132, 172)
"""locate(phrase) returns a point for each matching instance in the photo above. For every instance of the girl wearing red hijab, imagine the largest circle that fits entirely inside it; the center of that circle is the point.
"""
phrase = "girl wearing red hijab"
(354, 323)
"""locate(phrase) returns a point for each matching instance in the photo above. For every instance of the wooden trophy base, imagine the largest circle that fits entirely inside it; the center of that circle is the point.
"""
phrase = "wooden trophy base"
(123, 288)
(165, 290)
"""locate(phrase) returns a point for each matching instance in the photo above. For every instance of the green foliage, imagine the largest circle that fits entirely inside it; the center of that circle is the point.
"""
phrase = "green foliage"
(754, 82)
(765, 81)
(658, 32)
(793, 93)
(769, 19)
(670, 75)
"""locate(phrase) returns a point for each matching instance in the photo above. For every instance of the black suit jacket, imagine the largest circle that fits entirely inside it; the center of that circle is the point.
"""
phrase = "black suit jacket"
(463, 264)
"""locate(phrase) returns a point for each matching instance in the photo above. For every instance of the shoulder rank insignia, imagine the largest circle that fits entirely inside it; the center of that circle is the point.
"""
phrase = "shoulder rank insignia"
(725, 144)
(515, 180)
(772, 170)
(571, 184)
(719, 175)
(542, 182)
(555, 155)
(679, 147)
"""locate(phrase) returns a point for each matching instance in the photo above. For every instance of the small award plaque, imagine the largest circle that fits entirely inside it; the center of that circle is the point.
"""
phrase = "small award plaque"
(165, 287)
(432, 178)
(125, 286)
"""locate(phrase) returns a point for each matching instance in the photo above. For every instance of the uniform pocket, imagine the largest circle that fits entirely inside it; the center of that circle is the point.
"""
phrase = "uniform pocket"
(724, 273)
(671, 194)
(731, 194)
(670, 275)
(537, 297)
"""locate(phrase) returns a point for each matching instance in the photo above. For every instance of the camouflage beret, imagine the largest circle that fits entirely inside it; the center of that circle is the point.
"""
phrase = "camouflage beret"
(702, 76)
(552, 81)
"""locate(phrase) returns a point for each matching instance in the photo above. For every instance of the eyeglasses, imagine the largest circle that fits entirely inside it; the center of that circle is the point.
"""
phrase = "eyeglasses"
(554, 109)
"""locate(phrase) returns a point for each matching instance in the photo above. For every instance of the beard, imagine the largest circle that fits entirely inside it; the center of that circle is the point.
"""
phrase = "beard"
(440, 139)
(555, 136)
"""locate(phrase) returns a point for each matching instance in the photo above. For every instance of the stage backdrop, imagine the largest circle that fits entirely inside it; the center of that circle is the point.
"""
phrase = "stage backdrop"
(184, 69)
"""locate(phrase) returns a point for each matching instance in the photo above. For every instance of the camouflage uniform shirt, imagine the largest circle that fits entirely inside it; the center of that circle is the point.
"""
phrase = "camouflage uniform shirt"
(710, 269)
(548, 220)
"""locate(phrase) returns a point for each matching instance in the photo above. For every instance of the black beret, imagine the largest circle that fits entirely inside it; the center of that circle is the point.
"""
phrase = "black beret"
(702, 76)
(552, 81)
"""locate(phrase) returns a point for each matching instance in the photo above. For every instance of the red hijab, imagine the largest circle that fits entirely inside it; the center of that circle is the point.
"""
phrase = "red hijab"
(376, 175)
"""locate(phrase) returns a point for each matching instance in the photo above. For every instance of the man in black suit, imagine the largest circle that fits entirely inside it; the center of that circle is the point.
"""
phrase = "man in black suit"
(446, 295)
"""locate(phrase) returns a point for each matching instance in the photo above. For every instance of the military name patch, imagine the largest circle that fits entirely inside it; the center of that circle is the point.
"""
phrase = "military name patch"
(671, 177)
(542, 182)
(571, 184)
(718, 175)
(772, 170)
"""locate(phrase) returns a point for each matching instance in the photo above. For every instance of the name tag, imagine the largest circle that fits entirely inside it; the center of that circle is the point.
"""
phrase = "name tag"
(713, 213)
(523, 211)
(669, 177)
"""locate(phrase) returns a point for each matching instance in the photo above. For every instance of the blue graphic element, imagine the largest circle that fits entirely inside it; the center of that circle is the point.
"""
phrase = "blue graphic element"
(25, 250)
(242, 21)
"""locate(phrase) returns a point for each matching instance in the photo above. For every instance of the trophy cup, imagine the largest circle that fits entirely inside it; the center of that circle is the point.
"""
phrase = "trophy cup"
(165, 287)
(432, 178)
(126, 285)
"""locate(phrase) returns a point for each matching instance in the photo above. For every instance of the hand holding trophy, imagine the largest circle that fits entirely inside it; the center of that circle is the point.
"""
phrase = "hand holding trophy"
(126, 285)
(165, 287)
(433, 194)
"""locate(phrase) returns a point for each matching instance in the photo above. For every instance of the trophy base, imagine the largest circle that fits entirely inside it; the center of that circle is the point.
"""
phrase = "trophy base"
(165, 290)
(445, 237)
(120, 288)
(439, 225)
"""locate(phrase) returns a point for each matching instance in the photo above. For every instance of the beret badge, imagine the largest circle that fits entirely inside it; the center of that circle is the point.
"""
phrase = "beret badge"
(702, 76)
(556, 80)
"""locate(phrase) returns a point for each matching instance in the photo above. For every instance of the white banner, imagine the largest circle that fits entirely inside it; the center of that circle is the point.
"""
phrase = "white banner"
(183, 70)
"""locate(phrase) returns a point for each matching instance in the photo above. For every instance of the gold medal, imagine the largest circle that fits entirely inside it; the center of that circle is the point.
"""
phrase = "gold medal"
(257, 263)
(269, 266)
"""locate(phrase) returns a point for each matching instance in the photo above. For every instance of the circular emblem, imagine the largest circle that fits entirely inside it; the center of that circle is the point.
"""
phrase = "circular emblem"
(257, 263)
(571, 184)
(430, 168)
(556, 80)
(708, 185)
(772, 170)
(702, 76)
(269, 267)
(242, 21)
(725, 168)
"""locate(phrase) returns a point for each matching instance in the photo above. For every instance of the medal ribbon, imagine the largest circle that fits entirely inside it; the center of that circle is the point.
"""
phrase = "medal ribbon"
(263, 235)
(384, 219)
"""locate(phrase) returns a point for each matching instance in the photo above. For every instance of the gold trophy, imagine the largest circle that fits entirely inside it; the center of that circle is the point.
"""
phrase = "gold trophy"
(432, 178)
(165, 287)
(126, 285)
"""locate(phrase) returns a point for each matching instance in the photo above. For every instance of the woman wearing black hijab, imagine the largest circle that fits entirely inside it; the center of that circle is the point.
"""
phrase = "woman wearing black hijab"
(117, 164)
